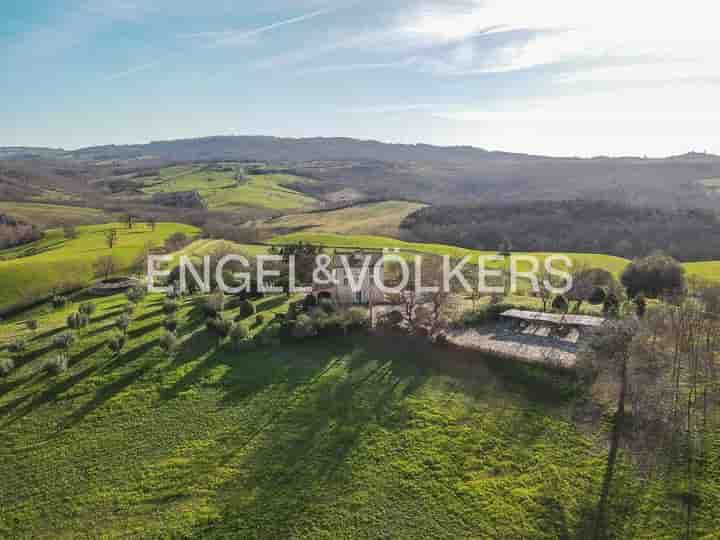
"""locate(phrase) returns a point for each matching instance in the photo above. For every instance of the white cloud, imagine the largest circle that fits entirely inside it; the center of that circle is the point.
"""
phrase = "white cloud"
(682, 33)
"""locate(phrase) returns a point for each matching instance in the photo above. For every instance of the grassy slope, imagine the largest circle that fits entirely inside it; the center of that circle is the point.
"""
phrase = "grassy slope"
(262, 191)
(326, 439)
(53, 215)
(709, 269)
(382, 218)
(69, 262)
(614, 264)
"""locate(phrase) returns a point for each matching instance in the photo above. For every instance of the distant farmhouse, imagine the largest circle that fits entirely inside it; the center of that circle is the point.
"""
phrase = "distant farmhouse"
(347, 269)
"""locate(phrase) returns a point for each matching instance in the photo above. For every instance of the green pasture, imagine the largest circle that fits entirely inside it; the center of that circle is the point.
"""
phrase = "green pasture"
(331, 438)
(53, 215)
(222, 191)
(61, 263)
(383, 218)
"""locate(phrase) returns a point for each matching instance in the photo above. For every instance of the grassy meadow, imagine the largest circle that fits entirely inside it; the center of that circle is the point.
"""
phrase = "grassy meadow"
(53, 215)
(382, 218)
(708, 269)
(613, 264)
(58, 262)
(353, 438)
(222, 191)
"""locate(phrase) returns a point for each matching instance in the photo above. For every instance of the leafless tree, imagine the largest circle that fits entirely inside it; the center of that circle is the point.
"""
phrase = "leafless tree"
(105, 266)
(111, 238)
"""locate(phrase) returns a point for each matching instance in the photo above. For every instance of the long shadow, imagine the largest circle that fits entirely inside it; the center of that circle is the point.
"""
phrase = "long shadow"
(149, 315)
(107, 392)
(300, 455)
(271, 303)
(49, 333)
(202, 347)
(137, 332)
(107, 315)
(101, 329)
(52, 393)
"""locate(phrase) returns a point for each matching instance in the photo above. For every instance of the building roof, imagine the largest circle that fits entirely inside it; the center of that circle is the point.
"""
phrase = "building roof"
(554, 318)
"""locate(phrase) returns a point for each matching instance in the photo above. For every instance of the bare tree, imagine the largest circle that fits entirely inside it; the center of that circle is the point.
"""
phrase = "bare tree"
(111, 238)
(105, 266)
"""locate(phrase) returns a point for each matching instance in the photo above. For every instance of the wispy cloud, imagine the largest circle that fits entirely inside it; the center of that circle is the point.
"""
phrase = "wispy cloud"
(130, 71)
(227, 38)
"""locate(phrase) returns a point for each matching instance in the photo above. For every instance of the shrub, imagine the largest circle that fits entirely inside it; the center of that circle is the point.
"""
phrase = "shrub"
(654, 276)
(219, 327)
(129, 309)
(116, 342)
(76, 321)
(123, 323)
(177, 241)
(611, 306)
(6, 366)
(327, 306)
(247, 309)
(64, 341)
(304, 327)
(170, 306)
(88, 308)
(310, 301)
(356, 317)
(31, 325)
(640, 305)
(136, 294)
(69, 231)
(171, 323)
(238, 335)
(57, 365)
(169, 343)
(597, 296)
(59, 301)
(215, 303)
(18, 346)
(259, 319)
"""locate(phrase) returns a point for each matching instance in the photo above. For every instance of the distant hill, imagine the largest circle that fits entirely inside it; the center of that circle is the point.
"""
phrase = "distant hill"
(432, 174)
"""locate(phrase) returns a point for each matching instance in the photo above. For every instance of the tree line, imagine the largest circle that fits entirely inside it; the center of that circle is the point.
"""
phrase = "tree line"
(571, 226)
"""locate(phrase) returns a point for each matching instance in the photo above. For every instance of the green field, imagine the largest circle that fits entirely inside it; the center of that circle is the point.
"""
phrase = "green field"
(331, 438)
(221, 190)
(381, 218)
(53, 215)
(708, 270)
(62, 263)
(613, 264)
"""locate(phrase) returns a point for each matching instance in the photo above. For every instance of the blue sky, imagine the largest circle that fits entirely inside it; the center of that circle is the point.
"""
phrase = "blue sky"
(558, 77)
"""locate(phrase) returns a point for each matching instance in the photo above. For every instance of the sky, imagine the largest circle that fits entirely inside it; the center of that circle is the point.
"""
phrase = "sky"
(554, 77)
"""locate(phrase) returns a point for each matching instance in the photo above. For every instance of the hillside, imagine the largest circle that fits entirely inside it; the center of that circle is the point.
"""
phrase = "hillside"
(324, 439)
(34, 271)
(453, 175)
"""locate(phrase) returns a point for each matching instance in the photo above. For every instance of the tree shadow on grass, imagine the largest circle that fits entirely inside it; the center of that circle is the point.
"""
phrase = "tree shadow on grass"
(54, 392)
(149, 315)
(299, 457)
(107, 392)
(137, 332)
(270, 303)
